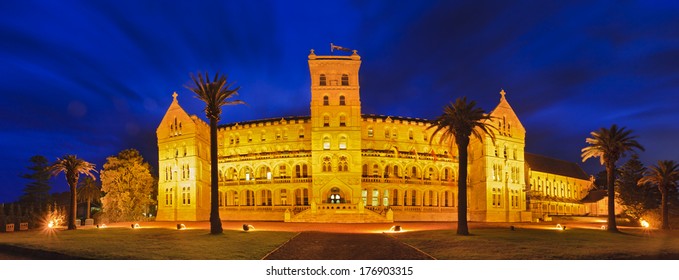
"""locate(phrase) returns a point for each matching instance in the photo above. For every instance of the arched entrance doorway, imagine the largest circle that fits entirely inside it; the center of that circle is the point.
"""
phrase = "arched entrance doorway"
(335, 196)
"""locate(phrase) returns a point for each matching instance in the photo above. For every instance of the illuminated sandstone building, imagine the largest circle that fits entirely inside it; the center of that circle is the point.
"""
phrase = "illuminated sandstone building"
(339, 165)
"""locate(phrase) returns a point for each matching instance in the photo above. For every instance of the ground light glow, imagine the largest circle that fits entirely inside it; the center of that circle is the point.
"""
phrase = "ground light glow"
(645, 224)
(395, 229)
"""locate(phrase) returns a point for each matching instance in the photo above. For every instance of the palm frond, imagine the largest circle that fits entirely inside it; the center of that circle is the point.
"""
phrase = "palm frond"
(216, 93)
(609, 145)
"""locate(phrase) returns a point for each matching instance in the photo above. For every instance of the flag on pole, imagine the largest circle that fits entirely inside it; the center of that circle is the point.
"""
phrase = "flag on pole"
(339, 48)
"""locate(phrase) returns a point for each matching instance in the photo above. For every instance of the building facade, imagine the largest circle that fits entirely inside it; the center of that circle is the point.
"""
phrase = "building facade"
(339, 165)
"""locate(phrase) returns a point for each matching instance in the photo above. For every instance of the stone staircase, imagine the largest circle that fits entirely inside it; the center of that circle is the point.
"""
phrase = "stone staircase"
(339, 213)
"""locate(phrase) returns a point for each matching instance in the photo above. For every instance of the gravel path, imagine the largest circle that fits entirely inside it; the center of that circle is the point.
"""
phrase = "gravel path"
(345, 246)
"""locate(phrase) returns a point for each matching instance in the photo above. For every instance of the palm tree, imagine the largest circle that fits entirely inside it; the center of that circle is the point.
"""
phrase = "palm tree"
(459, 121)
(215, 94)
(664, 175)
(89, 191)
(72, 167)
(609, 145)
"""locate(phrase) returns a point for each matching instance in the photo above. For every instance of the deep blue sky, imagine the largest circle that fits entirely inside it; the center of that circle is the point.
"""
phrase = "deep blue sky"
(94, 78)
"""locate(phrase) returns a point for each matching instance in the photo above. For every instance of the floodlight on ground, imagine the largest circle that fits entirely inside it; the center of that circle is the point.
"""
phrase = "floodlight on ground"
(50, 224)
(645, 224)
(181, 226)
(247, 227)
(135, 225)
(393, 229)
(560, 227)
(603, 227)
(101, 226)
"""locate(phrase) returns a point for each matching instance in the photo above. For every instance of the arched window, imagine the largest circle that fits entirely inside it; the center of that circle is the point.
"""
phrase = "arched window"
(410, 134)
(342, 100)
(282, 171)
(370, 132)
(326, 143)
(413, 198)
(326, 101)
(265, 198)
(386, 132)
(327, 164)
(345, 79)
(323, 80)
(326, 121)
(365, 170)
(343, 143)
(305, 171)
(376, 170)
(301, 133)
(343, 165)
(343, 120)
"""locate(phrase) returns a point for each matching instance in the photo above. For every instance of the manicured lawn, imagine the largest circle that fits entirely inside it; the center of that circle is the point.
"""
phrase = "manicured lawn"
(529, 244)
(151, 243)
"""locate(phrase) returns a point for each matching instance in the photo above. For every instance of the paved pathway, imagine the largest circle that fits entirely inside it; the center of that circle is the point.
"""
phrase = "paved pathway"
(313, 245)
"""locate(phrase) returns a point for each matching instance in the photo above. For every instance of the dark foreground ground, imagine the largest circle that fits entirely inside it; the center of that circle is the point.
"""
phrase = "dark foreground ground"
(345, 246)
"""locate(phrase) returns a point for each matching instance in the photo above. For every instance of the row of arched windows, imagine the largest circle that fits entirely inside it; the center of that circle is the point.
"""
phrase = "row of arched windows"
(395, 197)
(323, 80)
(342, 143)
(412, 172)
(342, 120)
(342, 164)
(557, 189)
(279, 134)
(507, 153)
(280, 197)
(342, 100)
(263, 172)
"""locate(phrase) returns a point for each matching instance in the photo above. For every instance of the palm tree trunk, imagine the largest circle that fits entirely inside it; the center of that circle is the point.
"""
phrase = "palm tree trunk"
(215, 221)
(462, 228)
(74, 208)
(665, 210)
(610, 176)
(89, 208)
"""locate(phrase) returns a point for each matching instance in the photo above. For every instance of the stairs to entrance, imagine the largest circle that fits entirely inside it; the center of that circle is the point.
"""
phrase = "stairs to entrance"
(339, 213)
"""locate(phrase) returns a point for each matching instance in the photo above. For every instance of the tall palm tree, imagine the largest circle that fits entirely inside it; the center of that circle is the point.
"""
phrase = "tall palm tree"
(609, 145)
(459, 121)
(215, 94)
(89, 191)
(664, 175)
(72, 167)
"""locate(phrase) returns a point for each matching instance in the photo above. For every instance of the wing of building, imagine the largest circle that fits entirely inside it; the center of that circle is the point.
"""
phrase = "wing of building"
(339, 165)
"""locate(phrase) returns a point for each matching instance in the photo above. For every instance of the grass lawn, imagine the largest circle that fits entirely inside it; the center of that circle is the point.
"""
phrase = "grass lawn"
(151, 243)
(530, 244)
